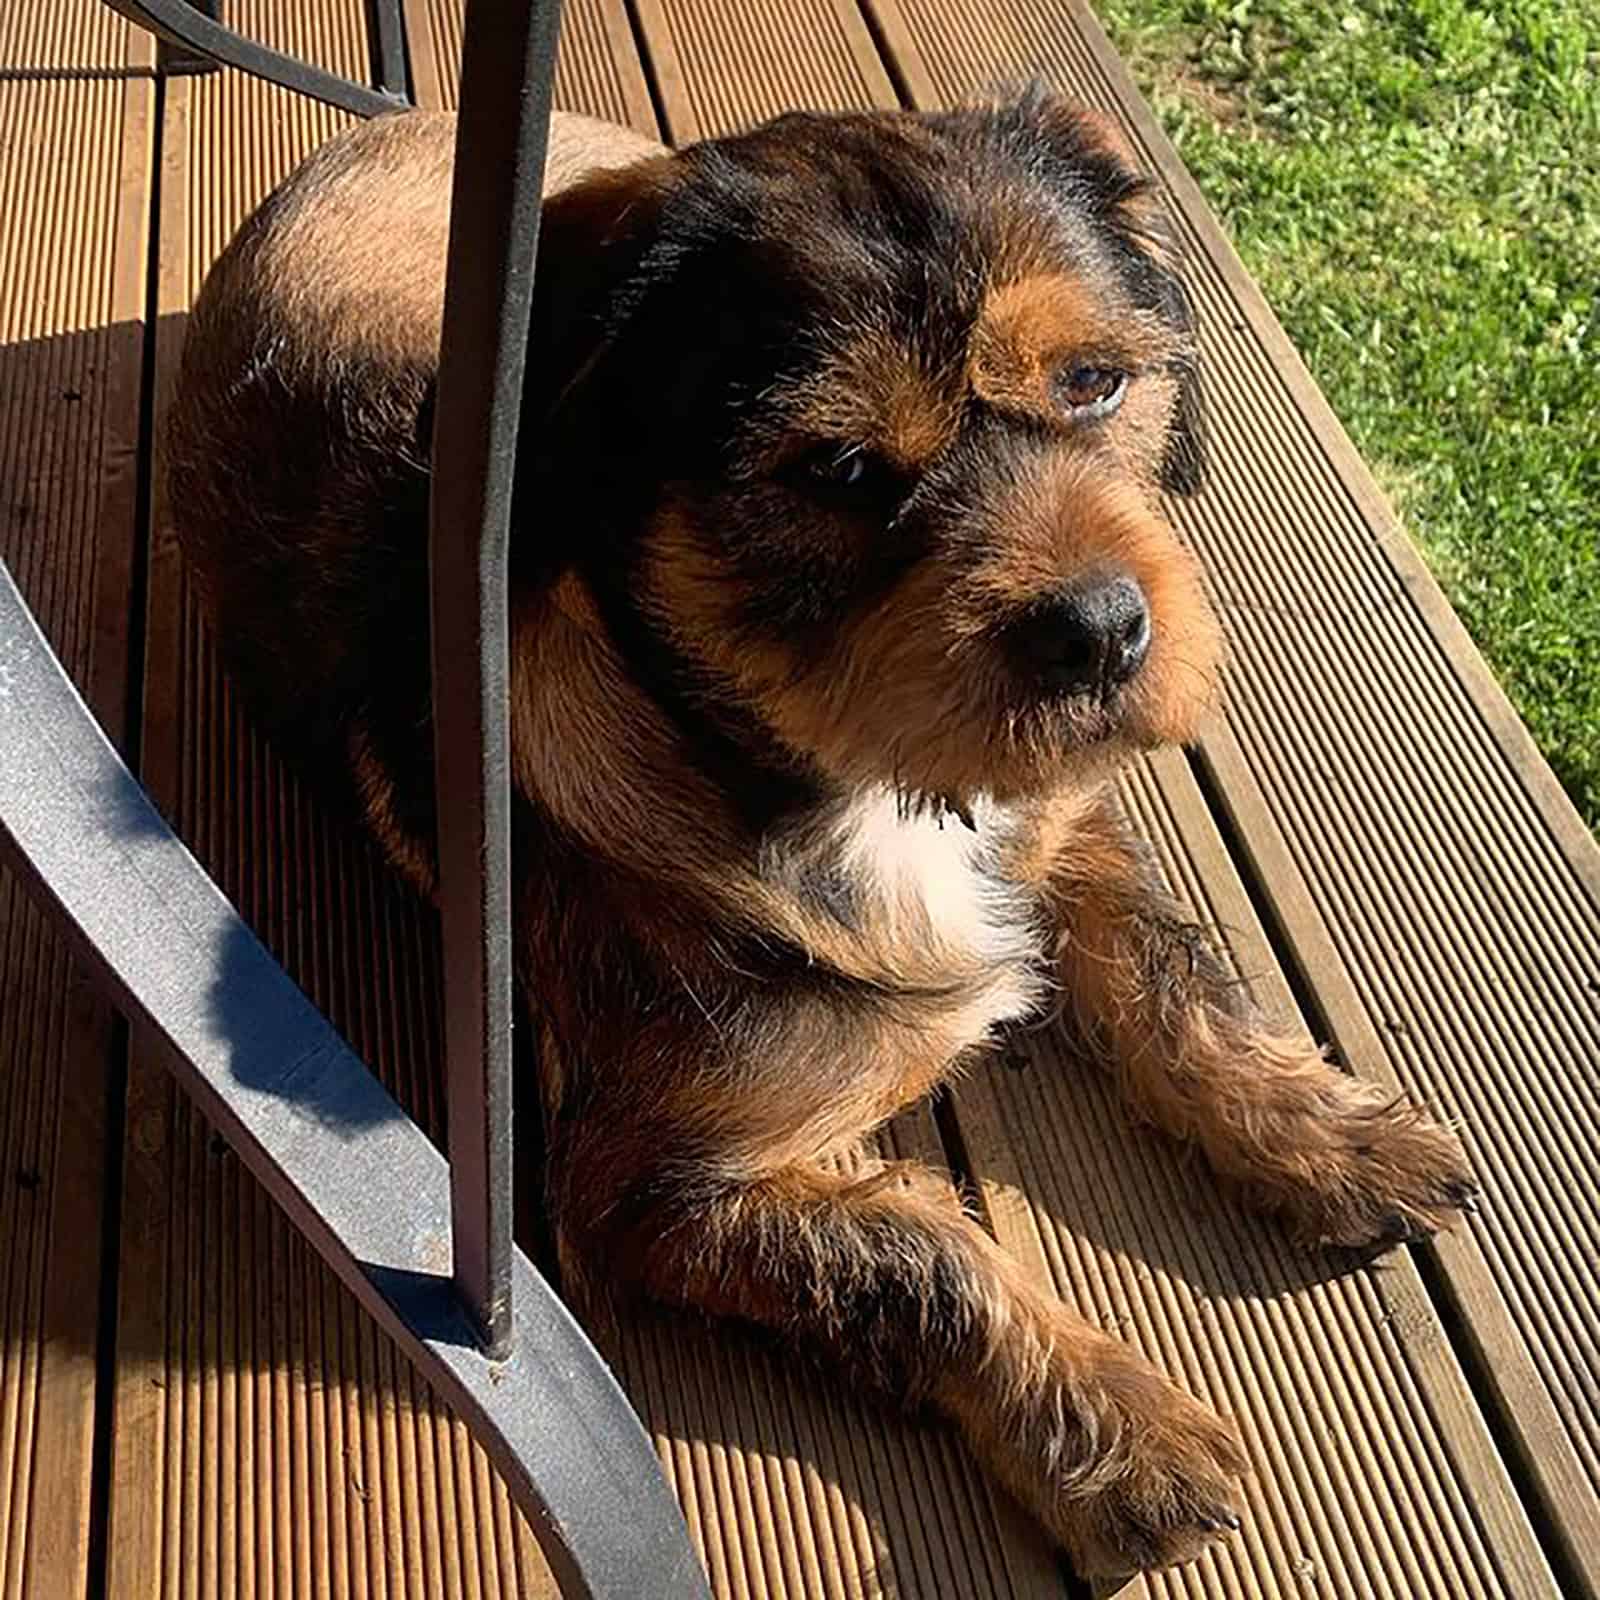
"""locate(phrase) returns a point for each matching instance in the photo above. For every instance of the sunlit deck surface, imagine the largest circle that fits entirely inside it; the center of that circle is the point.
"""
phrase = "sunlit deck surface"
(191, 1406)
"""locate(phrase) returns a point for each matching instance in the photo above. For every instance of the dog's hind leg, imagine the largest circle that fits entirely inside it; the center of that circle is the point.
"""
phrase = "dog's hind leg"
(886, 1280)
(1344, 1160)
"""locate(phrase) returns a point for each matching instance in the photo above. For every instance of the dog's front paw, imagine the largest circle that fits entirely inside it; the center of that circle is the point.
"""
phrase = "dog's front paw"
(1378, 1170)
(1175, 1493)
(1125, 1469)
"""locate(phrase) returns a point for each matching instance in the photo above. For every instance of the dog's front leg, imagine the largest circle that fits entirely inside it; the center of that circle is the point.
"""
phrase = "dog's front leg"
(885, 1280)
(1344, 1160)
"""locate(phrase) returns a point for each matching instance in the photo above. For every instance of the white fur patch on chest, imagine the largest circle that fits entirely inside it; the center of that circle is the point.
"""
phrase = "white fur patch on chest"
(922, 882)
(931, 874)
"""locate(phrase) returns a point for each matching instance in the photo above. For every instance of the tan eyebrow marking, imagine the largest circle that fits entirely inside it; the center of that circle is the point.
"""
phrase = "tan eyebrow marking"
(1028, 328)
(876, 392)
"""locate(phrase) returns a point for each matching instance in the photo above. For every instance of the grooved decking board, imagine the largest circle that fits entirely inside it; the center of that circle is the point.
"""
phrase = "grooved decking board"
(719, 65)
(268, 1439)
(597, 65)
(74, 202)
(790, 1486)
(67, 39)
(1370, 1480)
(1418, 856)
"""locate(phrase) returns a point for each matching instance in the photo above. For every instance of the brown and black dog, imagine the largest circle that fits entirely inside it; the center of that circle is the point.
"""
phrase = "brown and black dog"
(840, 589)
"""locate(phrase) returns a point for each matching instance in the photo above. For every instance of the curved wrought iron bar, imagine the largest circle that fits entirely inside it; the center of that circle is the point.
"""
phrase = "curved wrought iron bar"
(351, 1170)
(191, 31)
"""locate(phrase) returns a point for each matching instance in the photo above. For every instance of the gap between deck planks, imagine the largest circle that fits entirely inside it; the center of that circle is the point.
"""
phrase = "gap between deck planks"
(74, 196)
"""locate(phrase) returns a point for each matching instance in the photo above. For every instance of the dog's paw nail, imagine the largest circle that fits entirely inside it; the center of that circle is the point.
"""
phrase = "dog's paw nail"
(1398, 1229)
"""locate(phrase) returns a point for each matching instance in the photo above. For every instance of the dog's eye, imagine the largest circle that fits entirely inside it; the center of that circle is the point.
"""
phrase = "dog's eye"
(1092, 391)
(839, 469)
(852, 472)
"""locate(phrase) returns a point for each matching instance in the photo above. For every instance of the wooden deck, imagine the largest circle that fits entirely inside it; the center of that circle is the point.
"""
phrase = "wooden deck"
(190, 1406)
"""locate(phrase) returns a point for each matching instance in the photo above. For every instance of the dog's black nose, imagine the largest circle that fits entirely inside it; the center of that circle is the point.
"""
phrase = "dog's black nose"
(1089, 638)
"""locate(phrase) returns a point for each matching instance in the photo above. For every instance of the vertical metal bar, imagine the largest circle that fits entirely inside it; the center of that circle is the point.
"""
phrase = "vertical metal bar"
(508, 64)
(389, 48)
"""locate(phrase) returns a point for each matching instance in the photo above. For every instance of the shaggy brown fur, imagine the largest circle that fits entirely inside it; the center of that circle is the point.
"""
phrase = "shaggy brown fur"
(840, 587)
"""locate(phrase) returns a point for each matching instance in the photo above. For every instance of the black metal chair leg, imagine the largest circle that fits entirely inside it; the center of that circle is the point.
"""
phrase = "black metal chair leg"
(507, 67)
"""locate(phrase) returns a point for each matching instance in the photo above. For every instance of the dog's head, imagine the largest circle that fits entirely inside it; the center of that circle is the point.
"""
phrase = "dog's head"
(872, 413)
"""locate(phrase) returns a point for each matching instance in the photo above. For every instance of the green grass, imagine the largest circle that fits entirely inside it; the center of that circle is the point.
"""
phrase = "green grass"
(1416, 187)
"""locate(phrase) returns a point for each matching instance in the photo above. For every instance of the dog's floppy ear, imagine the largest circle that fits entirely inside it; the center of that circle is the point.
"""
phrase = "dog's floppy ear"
(1183, 462)
(1091, 157)
(639, 313)
(592, 238)
(593, 235)
(1145, 225)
